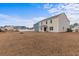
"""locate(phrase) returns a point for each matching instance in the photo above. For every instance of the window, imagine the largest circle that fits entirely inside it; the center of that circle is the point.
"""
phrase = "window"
(51, 28)
(41, 28)
(46, 22)
(63, 28)
(50, 21)
(41, 23)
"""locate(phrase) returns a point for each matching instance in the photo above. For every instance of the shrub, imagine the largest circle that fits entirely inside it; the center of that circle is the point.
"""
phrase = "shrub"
(69, 30)
(21, 33)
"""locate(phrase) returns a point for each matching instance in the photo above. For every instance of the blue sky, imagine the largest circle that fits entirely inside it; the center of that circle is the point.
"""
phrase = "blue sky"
(23, 10)
(29, 13)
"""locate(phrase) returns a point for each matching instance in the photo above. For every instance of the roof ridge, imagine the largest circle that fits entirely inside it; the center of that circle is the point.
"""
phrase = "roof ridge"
(51, 17)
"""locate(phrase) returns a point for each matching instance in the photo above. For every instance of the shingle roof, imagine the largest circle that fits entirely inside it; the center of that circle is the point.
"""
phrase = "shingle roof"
(52, 17)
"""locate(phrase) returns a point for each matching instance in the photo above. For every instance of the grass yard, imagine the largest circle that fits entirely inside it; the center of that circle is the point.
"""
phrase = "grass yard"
(39, 44)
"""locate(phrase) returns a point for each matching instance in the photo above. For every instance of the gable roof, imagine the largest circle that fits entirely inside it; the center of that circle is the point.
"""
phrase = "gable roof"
(49, 18)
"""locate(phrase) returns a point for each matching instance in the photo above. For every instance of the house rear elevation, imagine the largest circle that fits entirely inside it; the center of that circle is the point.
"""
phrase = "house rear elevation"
(58, 23)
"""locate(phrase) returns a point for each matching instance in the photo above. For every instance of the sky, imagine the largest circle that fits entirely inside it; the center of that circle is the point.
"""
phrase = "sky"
(27, 14)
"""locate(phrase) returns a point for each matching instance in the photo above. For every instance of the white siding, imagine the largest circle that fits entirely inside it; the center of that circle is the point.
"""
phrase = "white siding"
(59, 23)
(63, 23)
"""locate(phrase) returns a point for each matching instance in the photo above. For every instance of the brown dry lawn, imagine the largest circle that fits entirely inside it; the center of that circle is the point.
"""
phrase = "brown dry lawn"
(39, 44)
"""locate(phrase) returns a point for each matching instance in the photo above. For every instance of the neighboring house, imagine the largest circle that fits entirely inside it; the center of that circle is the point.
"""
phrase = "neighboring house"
(2, 29)
(58, 23)
(27, 29)
(75, 29)
(23, 28)
(9, 27)
(15, 28)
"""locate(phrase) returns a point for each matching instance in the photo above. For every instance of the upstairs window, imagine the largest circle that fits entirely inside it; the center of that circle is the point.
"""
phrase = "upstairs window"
(50, 21)
(41, 23)
(46, 22)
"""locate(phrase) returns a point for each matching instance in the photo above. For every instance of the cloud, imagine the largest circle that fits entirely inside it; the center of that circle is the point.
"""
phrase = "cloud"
(71, 10)
(47, 6)
(74, 18)
(10, 20)
(29, 22)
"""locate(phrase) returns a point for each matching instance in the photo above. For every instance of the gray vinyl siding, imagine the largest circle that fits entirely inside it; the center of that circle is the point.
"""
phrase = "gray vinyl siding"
(36, 27)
